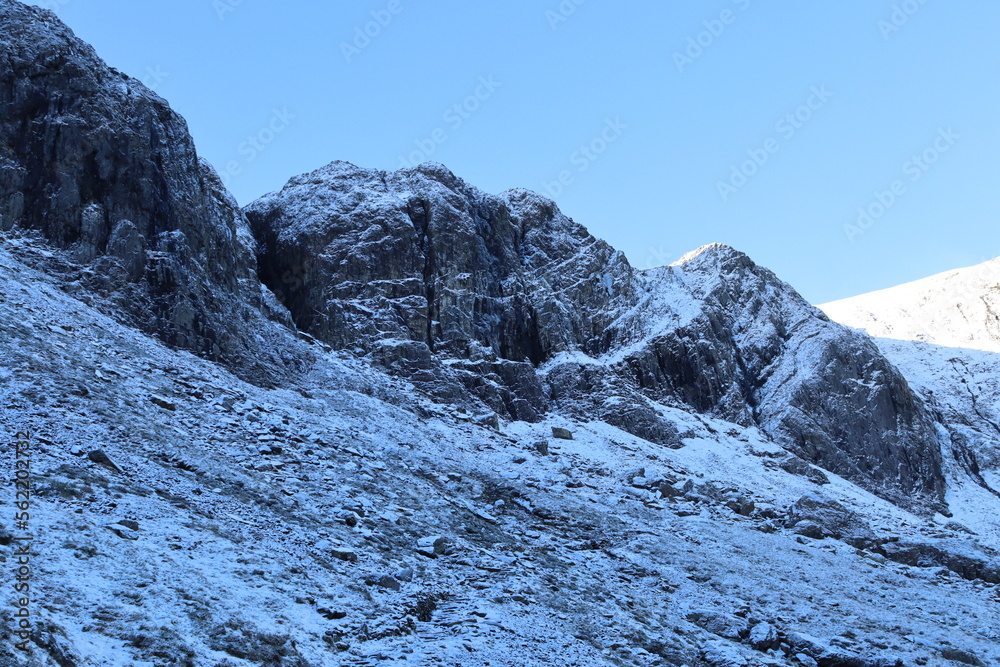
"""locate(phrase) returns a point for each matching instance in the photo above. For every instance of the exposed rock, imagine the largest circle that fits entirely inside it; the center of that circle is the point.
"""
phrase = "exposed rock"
(164, 403)
(818, 517)
(965, 559)
(100, 458)
(106, 172)
(504, 301)
(562, 433)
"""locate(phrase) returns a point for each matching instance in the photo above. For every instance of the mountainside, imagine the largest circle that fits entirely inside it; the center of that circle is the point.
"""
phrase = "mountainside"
(504, 303)
(185, 518)
(103, 169)
(943, 332)
(959, 308)
(386, 418)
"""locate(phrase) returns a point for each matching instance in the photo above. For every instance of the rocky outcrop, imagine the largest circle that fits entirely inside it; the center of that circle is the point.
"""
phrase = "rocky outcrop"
(106, 172)
(503, 300)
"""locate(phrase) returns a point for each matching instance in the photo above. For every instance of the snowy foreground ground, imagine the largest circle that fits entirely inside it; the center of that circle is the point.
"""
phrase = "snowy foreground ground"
(352, 522)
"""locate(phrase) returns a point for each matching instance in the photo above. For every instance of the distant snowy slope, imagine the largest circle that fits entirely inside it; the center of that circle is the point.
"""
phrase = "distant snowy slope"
(943, 334)
(959, 308)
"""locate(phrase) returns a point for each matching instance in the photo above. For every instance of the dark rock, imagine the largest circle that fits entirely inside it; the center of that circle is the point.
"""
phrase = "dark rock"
(100, 458)
(164, 403)
(966, 559)
(505, 302)
(818, 517)
(562, 433)
(108, 174)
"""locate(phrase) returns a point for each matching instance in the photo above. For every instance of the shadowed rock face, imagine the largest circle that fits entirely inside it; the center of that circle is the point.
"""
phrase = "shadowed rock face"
(106, 171)
(504, 300)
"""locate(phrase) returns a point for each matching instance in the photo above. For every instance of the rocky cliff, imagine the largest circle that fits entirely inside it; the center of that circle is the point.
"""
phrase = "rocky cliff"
(504, 301)
(106, 172)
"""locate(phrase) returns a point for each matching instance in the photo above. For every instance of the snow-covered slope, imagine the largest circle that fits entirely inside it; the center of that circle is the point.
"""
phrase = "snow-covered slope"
(959, 308)
(943, 333)
(350, 521)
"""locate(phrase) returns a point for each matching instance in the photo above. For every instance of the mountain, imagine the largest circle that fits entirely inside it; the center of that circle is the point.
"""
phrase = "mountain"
(100, 167)
(959, 308)
(506, 305)
(943, 333)
(386, 418)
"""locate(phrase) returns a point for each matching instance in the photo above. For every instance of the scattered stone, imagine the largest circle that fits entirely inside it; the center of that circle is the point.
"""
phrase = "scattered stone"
(763, 637)
(100, 458)
(128, 523)
(562, 433)
(542, 447)
(405, 574)
(432, 547)
(122, 531)
(344, 554)
(76, 450)
(163, 402)
(390, 583)
(331, 615)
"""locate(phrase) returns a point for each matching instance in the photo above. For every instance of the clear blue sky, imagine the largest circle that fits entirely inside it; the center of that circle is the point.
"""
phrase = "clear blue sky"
(672, 129)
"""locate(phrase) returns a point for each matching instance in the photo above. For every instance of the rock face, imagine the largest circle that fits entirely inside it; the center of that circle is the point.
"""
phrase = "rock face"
(105, 171)
(503, 300)
(490, 302)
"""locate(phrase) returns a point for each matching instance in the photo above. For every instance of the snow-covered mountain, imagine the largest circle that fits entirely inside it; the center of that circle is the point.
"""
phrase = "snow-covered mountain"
(386, 418)
(943, 333)
(959, 308)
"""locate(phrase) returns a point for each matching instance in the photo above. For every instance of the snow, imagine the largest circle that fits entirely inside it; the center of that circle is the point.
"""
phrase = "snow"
(566, 559)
